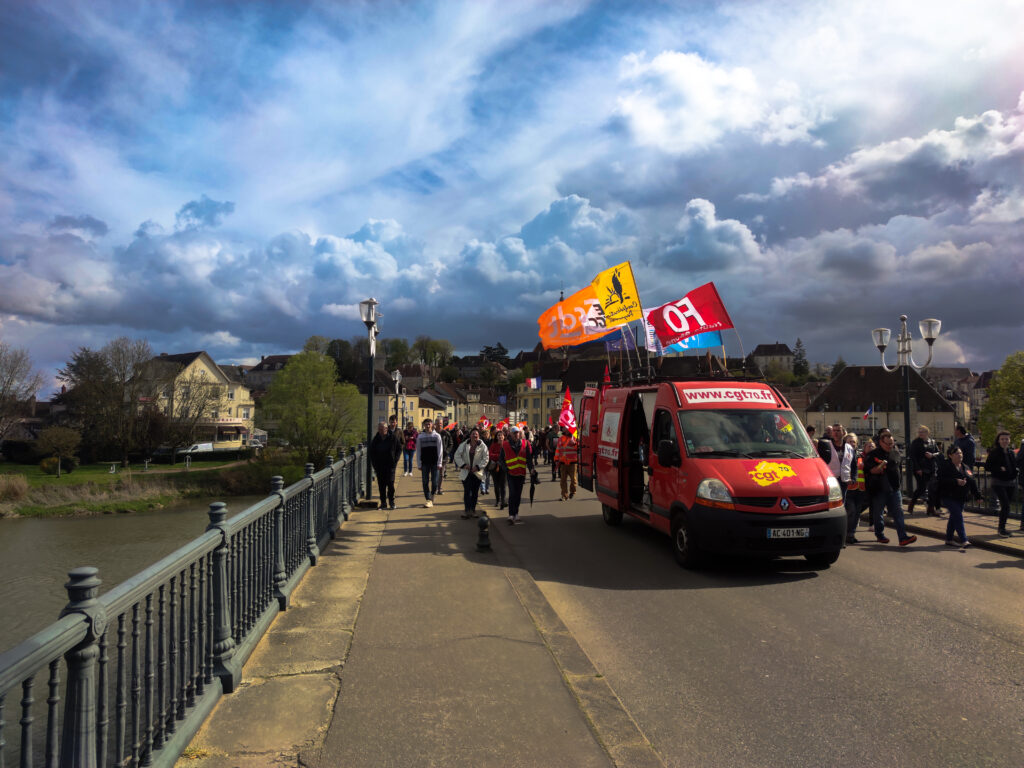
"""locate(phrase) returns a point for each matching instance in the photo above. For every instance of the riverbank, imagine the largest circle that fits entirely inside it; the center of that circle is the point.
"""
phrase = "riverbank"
(130, 492)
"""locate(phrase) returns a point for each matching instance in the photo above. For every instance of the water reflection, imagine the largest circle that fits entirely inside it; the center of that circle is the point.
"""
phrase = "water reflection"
(36, 555)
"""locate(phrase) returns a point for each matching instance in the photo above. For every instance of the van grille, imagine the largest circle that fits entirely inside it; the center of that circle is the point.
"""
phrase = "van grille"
(756, 501)
(807, 501)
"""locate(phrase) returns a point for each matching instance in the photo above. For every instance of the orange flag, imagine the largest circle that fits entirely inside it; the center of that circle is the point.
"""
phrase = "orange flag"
(576, 320)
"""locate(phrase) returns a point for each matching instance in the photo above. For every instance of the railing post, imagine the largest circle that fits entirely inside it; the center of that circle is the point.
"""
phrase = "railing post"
(78, 741)
(333, 497)
(311, 547)
(223, 641)
(280, 572)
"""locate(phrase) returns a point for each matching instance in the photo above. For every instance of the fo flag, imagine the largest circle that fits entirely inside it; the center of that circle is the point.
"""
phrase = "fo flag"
(567, 418)
(699, 311)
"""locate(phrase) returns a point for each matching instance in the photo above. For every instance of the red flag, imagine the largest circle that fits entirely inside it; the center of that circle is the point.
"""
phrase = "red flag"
(567, 418)
(607, 376)
(699, 311)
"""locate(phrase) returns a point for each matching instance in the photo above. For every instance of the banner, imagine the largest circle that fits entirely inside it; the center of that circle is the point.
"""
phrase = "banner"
(700, 341)
(616, 291)
(533, 383)
(567, 418)
(624, 342)
(699, 311)
(576, 320)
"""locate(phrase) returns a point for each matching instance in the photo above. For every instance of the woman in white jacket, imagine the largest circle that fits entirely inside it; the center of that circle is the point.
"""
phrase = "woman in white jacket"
(471, 459)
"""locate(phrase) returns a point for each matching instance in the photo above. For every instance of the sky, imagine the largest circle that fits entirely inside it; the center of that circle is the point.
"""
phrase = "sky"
(237, 176)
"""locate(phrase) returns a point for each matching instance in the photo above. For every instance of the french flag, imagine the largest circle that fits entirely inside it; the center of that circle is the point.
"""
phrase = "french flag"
(533, 383)
(869, 411)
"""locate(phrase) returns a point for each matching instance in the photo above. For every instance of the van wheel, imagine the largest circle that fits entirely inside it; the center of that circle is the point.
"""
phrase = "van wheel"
(822, 559)
(683, 548)
(611, 515)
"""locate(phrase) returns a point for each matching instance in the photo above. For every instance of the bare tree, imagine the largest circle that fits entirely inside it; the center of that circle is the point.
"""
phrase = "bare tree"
(126, 359)
(193, 398)
(18, 385)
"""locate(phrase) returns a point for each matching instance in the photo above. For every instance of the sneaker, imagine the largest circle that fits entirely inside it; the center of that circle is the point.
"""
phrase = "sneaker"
(1004, 533)
(465, 515)
(429, 504)
(882, 539)
(851, 539)
(965, 544)
(909, 540)
(392, 505)
(572, 494)
(511, 521)
(951, 543)
(517, 521)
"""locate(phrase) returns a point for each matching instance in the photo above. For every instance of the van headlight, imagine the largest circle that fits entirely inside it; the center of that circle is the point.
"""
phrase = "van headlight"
(713, 489)
(835, 493)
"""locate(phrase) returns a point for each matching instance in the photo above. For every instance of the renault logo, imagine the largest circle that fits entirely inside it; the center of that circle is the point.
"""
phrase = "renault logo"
(784, 504)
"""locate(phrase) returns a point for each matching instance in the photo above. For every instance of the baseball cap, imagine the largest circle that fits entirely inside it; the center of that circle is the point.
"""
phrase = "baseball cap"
(513, 428)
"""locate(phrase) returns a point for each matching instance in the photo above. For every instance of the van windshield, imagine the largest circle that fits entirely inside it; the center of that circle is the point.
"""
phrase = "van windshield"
(744, 433)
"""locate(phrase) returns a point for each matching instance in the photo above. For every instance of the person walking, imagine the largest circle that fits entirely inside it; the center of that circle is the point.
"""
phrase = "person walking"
(384, 452)
(967, 444)
(1001, 465)
(410, 448)
(517, 458)
(429, 459)
(882, 477)
(497, 468)
(955, 484)
(566, 456)
(471, 460)
(856, 499)
(923, 455)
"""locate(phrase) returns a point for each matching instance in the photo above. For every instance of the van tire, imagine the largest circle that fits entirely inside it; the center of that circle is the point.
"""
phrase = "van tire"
(822, 559)
(684, 550)
(611, 515)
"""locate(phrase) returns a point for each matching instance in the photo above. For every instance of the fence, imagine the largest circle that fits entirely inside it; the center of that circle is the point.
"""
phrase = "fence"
(130, 676)
(988, 504)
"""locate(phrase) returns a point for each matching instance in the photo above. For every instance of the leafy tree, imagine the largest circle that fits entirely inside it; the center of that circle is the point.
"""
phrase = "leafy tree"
(421, 349)
(61, 442)
(314, 412)
(489, 374)
(1004, 408)
(448, 373)
(800, 366)
(838, 366)
(441, 351)
(396, 352)
(495, 354)
(18, 385)
(777, 374)
(345, 359)
(316, 344)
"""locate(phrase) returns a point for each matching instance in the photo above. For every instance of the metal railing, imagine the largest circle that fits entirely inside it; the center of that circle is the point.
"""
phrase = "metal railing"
(988, 504)
(130, 676)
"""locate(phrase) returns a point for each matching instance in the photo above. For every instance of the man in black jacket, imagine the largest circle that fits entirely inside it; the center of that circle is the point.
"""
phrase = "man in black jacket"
(385, 449)
(924, 454)
(882, 476)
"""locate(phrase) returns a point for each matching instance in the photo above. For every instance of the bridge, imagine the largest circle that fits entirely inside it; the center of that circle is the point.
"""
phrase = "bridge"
(299, 632)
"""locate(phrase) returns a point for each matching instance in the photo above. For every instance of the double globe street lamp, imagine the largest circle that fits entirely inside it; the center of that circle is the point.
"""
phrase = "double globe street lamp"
(904, 359)
(368, 313)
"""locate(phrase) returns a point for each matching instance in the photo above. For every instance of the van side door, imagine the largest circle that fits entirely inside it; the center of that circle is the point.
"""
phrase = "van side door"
(665, 462)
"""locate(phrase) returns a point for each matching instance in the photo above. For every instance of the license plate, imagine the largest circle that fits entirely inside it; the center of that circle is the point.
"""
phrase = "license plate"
(789, 533)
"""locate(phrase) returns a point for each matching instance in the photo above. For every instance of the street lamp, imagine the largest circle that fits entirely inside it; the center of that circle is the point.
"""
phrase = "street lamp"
(368, 312)
(904, 359)
(397, 376)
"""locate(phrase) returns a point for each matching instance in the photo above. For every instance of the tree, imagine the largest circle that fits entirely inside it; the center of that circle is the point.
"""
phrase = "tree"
(838, 366)
(421, 349)
(800, 367)
(126, 359)
(316, 344)
(489, 374)
(18, 385)
(1004, 408)
(194, 397)
(61, 442)
(314, 412)
(345, 359)
(395, 351)
(495, 354)
(448, 373)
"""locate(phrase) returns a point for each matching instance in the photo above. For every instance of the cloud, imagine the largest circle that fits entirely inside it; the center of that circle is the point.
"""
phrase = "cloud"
(701, 241)
(203, 212)
(85, 224)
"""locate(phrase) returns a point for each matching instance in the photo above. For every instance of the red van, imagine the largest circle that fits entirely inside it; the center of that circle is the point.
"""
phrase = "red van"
(721, 465)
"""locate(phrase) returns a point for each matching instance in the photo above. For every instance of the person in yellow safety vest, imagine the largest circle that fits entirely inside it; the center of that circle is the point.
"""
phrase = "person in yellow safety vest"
(856, 497)
(566, 455)
(517, 458)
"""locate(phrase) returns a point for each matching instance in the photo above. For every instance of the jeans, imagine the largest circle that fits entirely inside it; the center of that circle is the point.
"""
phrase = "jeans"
(471, 489)
(498, 483)
(431, 479)
(856, 502)
(515, 493)
(1004, 493)
(894, 501)
(409, 456)
(955, 524)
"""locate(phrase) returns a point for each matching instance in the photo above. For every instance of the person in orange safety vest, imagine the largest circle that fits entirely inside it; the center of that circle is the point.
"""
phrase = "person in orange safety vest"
(566, 454)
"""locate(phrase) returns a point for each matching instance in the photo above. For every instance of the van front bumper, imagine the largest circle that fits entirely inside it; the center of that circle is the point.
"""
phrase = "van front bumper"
(727, 531)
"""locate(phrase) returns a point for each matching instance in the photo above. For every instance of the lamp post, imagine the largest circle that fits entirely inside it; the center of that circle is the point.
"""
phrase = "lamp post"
(904, 359)
(368, 312)
(397, 376)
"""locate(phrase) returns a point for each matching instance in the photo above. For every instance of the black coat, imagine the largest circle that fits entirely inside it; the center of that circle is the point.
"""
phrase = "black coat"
(918, 461)
(1002, 465)
(949, 488)
(385, 450)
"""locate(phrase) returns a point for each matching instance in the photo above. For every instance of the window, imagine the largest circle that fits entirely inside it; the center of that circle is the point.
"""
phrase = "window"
(664, 429)
(382, 405)
(536, 402)
(245, 413)
(231, 394)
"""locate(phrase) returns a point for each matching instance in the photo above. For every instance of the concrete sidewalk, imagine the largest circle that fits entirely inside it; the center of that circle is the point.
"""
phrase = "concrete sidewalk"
(980, 529)
(405, 646)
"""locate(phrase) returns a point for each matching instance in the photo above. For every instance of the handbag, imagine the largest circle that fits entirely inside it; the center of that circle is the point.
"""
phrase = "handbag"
(492, 465)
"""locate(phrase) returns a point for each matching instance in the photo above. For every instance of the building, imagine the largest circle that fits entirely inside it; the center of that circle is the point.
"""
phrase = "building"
(259, 377)
(204, 401)
(978, 398)
(858, 388)
(772, 355)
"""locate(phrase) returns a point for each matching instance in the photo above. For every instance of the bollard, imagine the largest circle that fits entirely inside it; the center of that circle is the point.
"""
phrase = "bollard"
(280, 570)
(483, 541)
(312, 550)
(78, 741)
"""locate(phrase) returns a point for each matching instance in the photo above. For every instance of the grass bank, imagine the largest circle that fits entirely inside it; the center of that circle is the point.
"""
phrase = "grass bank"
(94, 492)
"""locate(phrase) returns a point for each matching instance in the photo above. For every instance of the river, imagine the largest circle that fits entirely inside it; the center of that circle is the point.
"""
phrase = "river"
(37, 553)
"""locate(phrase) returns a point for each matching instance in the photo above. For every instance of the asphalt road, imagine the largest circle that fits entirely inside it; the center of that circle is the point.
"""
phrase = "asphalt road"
(890, 657)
